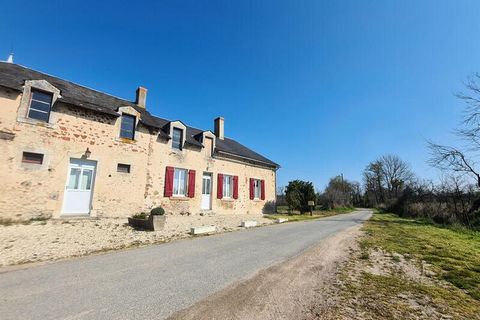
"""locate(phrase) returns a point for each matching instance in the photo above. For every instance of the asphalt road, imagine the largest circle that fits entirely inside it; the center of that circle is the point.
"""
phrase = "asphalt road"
(155, 281)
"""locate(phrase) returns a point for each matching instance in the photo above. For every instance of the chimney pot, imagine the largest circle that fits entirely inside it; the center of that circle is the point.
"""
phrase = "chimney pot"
(219, 128)
(141, 97)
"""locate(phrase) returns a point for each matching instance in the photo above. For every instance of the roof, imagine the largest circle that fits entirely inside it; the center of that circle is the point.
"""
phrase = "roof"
(13, 76)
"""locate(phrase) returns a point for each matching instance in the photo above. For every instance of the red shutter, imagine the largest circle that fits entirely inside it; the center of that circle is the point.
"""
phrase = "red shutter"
(168, 182)
(252, 188)
(235, 187)
(191, 183)
(220, 186)
(262, 191)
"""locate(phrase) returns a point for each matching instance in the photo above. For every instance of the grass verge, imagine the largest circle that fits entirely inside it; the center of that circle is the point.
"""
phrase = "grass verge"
(302, 217)
(448, 261)
(454, 254)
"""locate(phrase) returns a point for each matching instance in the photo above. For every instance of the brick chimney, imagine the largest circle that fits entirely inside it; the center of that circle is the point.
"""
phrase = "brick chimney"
(219, 131)
(141, 97)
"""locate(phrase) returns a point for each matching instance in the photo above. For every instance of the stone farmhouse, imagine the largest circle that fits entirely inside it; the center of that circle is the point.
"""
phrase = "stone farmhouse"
(67, 150)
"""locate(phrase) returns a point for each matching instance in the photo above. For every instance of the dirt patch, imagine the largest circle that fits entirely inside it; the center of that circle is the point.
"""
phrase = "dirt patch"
(381, 285)
(56, 239)
(284, 291)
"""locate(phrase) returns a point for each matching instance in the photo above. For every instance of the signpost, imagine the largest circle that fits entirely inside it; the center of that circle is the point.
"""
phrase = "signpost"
(311, 204)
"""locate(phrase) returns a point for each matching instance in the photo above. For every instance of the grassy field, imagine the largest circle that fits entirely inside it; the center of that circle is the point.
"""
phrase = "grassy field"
(452, 254)
(296, 216)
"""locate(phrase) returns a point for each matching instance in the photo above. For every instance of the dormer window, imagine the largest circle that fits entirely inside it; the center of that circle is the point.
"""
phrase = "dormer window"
(127, 127)
(177, 138)
(40, 105)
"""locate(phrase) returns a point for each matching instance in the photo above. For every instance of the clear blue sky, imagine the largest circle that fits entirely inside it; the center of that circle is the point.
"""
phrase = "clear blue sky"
(321, 87)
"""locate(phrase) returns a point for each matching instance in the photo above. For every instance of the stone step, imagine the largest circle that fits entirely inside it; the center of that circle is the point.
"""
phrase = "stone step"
(249, 223)
(202, 230)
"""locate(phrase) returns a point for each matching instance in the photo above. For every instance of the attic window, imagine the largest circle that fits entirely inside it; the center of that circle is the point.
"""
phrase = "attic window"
(177, 138)
(40, 105)
(127, 127)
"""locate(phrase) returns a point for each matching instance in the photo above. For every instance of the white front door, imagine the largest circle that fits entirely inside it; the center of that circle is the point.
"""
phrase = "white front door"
(207, 191)
(78, 190)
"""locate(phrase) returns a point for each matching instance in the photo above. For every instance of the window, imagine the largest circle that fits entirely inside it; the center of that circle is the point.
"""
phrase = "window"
(180, 182)
(40, 104)
(257, 189)
(80, 179)
(123, 168)
(227, 186)
(177, 138)
(127, 127)
(34, 158)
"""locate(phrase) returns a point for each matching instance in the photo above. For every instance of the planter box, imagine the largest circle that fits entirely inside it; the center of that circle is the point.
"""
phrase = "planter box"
(154, 223)
(203, 230)
(249, 223)
(281, 220)
(139, 223)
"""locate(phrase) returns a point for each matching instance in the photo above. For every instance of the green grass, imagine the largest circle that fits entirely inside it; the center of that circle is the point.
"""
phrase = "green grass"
(296, 216)
(453, 253)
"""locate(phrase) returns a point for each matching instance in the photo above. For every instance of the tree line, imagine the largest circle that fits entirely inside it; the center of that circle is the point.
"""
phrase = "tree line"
(389, 183)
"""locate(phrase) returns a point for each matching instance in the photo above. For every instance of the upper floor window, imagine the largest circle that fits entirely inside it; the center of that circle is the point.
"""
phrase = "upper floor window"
(227, 186)
(177, 138)
(257, 189)
(180, 182)
(127, 127)
(40, 105)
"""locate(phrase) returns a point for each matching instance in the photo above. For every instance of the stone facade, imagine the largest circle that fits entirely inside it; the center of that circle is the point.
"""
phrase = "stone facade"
(38, 190)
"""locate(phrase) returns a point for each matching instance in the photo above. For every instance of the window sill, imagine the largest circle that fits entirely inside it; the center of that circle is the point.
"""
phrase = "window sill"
(126, 140)
(176, 151)
(180, 198)
(228, 199)
(36, 122)
(258, 200)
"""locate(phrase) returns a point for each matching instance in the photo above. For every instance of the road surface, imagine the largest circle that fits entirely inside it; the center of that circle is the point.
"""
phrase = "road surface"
(154, 282)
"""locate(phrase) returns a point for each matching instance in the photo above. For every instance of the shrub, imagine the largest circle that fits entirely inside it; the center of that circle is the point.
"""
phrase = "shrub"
(141, 215)
(298, 193)
(158, 211)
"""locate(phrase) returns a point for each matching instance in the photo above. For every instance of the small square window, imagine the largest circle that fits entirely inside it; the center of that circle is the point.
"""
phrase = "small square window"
(127, 127)
(40, 105)
(32, 158)
(177, 138)
(123, 168)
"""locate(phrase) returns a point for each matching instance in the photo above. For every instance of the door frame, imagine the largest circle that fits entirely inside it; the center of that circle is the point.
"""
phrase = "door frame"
(205, 173)
(89, 162)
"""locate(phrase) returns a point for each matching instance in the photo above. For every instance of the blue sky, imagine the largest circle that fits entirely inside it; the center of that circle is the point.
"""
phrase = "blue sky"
(321, 87)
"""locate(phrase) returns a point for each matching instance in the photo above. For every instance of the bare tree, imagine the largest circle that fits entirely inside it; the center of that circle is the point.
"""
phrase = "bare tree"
(386, 178)
(451, 159)
(396, 174)
(373, 181)
(460, 160)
